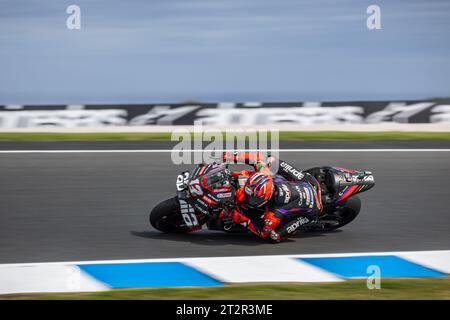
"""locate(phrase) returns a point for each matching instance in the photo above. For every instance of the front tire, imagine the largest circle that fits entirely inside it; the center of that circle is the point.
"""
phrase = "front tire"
(166, 217)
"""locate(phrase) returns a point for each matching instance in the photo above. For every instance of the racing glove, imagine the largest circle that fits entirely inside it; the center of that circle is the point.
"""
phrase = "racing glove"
(226, 217)
(234, 215)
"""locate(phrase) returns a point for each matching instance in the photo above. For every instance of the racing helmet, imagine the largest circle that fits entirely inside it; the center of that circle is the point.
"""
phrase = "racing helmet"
(258, 189)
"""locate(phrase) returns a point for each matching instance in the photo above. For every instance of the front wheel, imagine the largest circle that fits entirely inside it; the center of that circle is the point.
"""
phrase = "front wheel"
(345, 213)
(166, 217)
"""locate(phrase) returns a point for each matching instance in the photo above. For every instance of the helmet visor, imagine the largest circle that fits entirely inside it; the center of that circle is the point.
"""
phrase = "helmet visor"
(255, 201)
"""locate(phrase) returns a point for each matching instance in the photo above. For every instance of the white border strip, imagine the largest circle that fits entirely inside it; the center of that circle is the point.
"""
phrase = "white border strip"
(220, 150)
(282, 127)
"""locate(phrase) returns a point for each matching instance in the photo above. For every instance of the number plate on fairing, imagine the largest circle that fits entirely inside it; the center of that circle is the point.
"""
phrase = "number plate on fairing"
(186, 210)
(188, 214)
(182, 181)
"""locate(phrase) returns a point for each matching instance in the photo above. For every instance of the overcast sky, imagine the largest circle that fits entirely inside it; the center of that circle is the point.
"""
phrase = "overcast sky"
(222, 50)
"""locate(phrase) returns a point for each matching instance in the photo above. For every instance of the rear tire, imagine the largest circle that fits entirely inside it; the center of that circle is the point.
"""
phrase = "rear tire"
(349, 210)
(166, 217)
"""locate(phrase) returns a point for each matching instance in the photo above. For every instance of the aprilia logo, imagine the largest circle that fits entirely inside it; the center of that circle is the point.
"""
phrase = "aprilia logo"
(288, 168)
(288, 193)
(300, 221)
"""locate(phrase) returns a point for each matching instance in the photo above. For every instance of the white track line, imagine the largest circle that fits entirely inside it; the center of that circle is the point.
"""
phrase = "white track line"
(193, 150)
(184, 259)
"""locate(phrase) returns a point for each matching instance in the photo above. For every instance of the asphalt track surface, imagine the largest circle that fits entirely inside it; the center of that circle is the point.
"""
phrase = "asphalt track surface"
(95, 206)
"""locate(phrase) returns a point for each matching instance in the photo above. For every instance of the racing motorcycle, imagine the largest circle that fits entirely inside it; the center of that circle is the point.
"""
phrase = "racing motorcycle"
(208, 189)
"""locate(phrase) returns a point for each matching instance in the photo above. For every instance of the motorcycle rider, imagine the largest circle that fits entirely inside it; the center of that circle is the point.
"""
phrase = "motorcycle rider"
(286, 199)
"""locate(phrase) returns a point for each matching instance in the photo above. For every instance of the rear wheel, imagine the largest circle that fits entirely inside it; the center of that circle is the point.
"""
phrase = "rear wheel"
(166, 217)
(345, 213)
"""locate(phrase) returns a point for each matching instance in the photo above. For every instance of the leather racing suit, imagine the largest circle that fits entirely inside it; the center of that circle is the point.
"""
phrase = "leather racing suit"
(296, 199)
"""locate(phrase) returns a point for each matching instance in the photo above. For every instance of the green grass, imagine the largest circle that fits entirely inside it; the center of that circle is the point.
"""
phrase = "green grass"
(411, 288)
(286, 135)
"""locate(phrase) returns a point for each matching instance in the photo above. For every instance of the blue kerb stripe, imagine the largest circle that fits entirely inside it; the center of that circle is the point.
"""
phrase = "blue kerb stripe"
(356, 266)
(152, 274)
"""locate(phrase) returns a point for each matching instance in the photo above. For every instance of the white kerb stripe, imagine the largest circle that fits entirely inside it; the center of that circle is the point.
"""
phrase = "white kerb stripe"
(47, 278)
(432, 259)
(261, 269)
